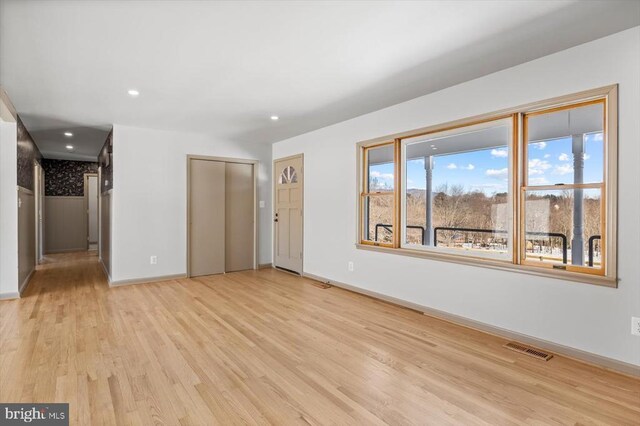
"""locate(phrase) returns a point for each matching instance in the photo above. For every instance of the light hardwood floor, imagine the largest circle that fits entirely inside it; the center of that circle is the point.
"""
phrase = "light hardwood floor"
(268, 347)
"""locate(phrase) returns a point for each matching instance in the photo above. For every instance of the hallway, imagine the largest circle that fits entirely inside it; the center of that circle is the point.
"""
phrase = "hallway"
(268, 347)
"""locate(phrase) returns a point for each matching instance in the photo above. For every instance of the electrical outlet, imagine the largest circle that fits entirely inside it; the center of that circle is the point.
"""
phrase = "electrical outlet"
(153, 260)
(635, 326)
(350, 266)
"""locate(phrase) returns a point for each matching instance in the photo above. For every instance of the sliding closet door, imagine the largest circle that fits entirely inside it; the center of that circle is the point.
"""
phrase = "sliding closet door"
(207, 217)
(239, 232)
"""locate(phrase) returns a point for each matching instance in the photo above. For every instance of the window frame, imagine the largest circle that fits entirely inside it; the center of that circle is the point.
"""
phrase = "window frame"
(512, 120)
(363, 194)
(567, 186)
(605, 276)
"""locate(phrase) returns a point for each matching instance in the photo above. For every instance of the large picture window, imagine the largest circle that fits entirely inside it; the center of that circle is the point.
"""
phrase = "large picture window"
(531, 189)
(458, 190)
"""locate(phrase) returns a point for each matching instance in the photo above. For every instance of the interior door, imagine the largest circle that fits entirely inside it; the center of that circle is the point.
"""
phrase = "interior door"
(92, 211)
(288, 214)
(206, 217)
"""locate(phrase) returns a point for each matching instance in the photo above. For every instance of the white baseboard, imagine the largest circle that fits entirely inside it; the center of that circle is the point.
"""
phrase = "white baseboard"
(21, 288)
(106, 272)
(146, 280)
(566, 351)
(9, 295)
(25, 283)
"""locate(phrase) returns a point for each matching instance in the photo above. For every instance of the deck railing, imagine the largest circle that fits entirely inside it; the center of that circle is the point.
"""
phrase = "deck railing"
(592, 239)
(388, 228)
(563, 238)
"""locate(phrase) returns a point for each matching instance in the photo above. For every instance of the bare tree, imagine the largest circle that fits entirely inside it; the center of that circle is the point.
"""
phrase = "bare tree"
(454, 207)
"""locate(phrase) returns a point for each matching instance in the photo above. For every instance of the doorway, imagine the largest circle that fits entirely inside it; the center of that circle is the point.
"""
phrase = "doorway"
(221, 214)
(91, 208)
(288, 217)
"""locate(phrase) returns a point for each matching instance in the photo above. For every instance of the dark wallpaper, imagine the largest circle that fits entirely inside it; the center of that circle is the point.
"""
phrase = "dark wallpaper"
(28, 152)
(107, 170)
(64, 178)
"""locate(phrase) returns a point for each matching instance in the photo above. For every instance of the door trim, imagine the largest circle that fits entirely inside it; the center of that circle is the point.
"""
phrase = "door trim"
(38, 189)
(256, 168)
(273, 203)
(100, 214)
(86, 204)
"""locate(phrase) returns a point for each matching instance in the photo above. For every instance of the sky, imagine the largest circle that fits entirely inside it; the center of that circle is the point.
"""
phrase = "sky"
(550, 162)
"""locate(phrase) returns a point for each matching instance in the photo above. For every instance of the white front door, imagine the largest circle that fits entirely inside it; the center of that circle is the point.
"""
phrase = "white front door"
(288, 217)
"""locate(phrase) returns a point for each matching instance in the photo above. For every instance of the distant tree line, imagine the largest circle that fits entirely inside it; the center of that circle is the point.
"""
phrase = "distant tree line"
(455, 207)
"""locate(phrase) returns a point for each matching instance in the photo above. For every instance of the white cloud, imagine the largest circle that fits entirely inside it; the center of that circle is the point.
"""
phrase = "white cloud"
(453, 166)
(538, 181)
(563, 169)
(538, 166)
(539, 145)
(488, 185)
(489, 188)
(377, 174)
(547, 155)
(499, 153)
(497, 173)
(598, 137)
(586, 156)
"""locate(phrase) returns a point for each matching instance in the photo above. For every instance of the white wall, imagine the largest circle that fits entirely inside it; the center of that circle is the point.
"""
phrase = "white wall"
(8, 210)
(587, 317)
(150, 198)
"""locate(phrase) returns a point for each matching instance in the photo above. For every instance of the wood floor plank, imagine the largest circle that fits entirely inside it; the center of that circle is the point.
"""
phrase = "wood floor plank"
(266, 347)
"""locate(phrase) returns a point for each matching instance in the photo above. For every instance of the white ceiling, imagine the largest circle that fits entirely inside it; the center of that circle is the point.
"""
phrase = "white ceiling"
(223, 68)
(483, 138)
(579, 121)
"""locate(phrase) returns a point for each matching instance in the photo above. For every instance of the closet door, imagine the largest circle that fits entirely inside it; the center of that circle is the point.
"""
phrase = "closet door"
(240, 216)
(207, 217)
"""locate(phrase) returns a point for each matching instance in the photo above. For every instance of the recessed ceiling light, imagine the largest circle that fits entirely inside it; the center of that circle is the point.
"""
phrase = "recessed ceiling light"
(434, 148)
(275, 118)
(69, 147)
(68, 134)
(133, 93)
